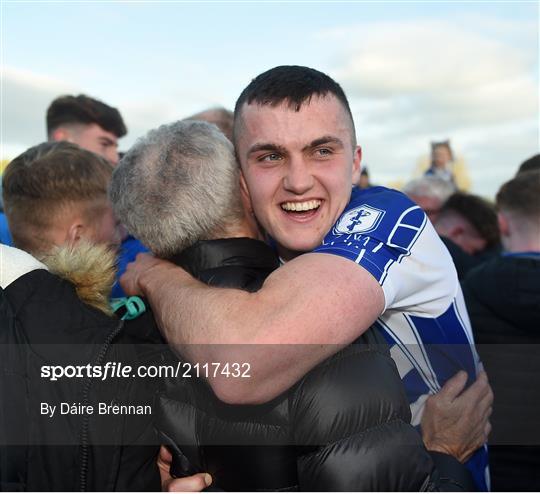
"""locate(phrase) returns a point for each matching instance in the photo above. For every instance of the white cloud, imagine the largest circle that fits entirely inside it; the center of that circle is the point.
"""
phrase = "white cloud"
(438, 75)
(410, 83)
(25, 98)
(449, 111)
(420, 56)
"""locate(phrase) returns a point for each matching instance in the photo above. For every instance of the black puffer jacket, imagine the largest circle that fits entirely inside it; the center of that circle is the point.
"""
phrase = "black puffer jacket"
(503, 301)
(344, 426)
(43, 322)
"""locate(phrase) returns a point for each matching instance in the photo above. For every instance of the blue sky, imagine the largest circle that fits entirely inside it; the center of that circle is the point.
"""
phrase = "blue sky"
(414, 71)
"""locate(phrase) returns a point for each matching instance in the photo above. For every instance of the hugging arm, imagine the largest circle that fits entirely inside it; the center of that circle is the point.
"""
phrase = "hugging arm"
(311, 307)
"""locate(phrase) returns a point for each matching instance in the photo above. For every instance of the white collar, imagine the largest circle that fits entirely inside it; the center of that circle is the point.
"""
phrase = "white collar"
(15, 263)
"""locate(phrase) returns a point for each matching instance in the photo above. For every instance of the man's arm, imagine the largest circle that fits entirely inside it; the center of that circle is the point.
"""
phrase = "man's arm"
(310, 307)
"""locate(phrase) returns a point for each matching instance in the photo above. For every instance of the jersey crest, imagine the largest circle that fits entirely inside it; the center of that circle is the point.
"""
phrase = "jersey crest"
(361, 219)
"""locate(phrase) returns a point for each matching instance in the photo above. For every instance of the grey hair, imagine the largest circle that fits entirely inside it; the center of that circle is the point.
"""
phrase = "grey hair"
(177, 185)
(429, 186)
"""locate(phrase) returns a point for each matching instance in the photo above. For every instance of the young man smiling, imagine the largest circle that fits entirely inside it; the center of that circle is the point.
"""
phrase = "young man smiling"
(298, 182)
(295, 141)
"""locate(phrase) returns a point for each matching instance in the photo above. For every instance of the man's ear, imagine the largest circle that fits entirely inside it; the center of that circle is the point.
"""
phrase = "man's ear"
(456, 231)
(61, 134)
(357, 158)
(244, 194)
(504, 226)
(75, 233)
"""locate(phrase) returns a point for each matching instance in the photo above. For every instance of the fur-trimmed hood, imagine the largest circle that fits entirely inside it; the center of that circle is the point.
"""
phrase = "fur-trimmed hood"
(90, 267)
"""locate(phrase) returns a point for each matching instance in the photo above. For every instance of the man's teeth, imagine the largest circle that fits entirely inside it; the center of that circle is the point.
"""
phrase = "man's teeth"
(300, 206)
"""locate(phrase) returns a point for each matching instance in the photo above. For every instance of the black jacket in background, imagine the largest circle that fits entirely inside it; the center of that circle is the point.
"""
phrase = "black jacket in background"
(465, 262)
(503, 301)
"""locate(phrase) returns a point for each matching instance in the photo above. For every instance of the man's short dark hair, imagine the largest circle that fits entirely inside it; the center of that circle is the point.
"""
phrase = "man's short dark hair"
(521, 195)
(529, 165)
(478, 212)
(81, 109)
(293, 84)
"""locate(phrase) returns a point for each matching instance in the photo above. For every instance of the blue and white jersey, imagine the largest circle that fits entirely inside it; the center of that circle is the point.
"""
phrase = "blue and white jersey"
(425, 320)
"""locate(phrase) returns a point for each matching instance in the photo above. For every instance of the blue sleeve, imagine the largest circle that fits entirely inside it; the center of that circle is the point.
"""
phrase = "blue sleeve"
(5, 236)
(377, 229)
(128, 252)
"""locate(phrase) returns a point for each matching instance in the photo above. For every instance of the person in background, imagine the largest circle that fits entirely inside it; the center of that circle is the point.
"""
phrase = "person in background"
(363, 182)
(58, 209)
(503, 301)
(97, 127)
(219, 116)
(91, 124)
(442, 162)
(88, 122)
(430, 193)
(56, 194)
(530, 164)
(468, 226)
